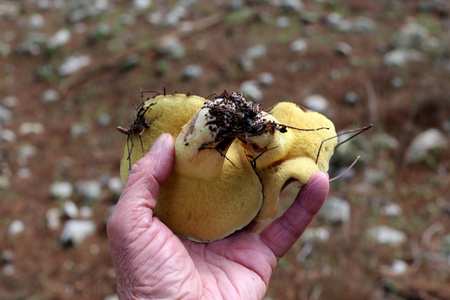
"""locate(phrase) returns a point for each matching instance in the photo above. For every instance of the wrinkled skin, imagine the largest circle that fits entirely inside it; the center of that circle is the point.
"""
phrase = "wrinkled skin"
(153, 263)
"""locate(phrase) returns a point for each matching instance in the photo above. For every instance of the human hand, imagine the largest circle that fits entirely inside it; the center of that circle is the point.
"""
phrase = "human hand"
(153, 263)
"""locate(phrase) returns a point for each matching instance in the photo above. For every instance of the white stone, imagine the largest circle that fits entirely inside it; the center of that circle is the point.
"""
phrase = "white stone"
(385, 235)
(142, 4)
(7, 135)
(26, 152)
(192, 72)
(401, 57)
(70, 209)
(31, 128)
(316, 102)
(74, 63)
(318, 234)
(398, 267)
(85, 212)
(335, 210)
(115, 185)
(89, 189)
(5, 114)
(251, 90)
(50, 95)
(52, 217)
(76, 231)
(15, 228)
(266, 78)
(61, 37)
(256, 51)
(429, 140)
(24, 173)
(391, 210)
(36, 21)
(61, 190)
(172, 47)
(343, 49)
(299, 45)
(283, 22)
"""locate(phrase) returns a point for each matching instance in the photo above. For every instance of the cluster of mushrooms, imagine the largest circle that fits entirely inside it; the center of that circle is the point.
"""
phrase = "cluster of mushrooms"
(232, 159)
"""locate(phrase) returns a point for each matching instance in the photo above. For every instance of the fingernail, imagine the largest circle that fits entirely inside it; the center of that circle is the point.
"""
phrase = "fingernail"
(159, 143)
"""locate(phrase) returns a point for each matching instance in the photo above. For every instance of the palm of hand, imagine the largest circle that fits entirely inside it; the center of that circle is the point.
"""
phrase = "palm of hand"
(152, 262)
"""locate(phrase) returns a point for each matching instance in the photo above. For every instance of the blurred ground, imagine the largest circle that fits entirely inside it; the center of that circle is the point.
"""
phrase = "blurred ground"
(70, 71)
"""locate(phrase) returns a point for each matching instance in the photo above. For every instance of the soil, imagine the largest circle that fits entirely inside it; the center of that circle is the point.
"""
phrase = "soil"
(348, 266)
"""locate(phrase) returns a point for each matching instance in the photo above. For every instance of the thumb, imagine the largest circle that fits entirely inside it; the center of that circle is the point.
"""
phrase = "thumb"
(139, 195)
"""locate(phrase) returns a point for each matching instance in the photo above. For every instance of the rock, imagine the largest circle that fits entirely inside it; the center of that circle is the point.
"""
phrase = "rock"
(24, 173)
(53, 219)
(401, 57)
(36, 21)
(344, 49)
(73, 64)
(304, 253)
(5, 182)
(335, 210)
(50, 95)
(391, 210)
(396, 82)
(437, 6)
(5, 114)
(61, 37)
(9, 10)
(90, 190)
(32, 44)
(175, 15)
(291, 5)
(398, 267)
(191, 72)
(374, 176)
(251, 90)
(77, 130)
(316, 102)
(142, 4)
(76, 231)
(351, 98)
(7, 256)
(70, 209)
(299, 45)
(130, 62)
(363, 24)
(256, 51)
(7, 135)
(83, 9)
(266, 78)
(111, 297)
(246, 64)
(384, 141)
(10, 101)
(5, 49)
(15, 228)
(9, 270)
(31, 128)
(115, 185)
(104, 119)
(385, 235)
(411, 35)
(171, 47)
(26, 152)
(85, 212)
(318, 234)
(61, 190)
(283, 22)
(424, 143)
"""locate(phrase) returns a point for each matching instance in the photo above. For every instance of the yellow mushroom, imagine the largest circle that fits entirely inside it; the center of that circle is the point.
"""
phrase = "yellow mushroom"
(232, 159)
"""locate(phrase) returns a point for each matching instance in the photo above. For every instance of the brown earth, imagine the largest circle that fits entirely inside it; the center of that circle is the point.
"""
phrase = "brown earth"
(345, 267)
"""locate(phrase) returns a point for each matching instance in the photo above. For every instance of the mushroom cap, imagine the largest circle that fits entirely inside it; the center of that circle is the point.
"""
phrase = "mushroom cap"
(299, 162)
(202, 209)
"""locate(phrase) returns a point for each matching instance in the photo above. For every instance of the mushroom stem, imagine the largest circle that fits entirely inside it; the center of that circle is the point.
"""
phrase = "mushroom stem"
(268, 147)
(196, 152)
